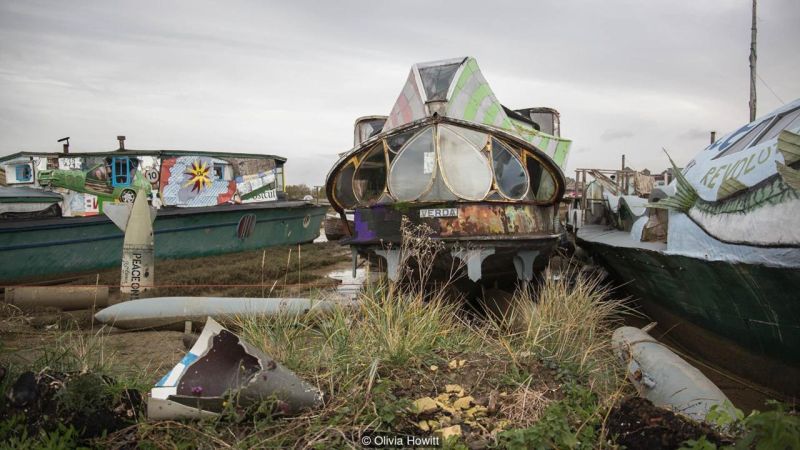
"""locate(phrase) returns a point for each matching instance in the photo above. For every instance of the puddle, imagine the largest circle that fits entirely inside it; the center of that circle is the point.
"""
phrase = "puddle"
(350, 286)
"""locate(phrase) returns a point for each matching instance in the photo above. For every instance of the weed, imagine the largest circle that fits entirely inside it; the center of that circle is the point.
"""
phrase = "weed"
(572, 422)
(568, 321)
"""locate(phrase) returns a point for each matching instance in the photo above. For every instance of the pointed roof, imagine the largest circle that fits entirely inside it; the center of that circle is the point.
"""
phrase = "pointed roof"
(456, 88)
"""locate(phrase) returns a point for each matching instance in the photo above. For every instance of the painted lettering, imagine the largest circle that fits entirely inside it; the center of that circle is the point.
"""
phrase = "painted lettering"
(716, 174)
(765, 156)
(739, 165)
(704, 181)
(748, 168)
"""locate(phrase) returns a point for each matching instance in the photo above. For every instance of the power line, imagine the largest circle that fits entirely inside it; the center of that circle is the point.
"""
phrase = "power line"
(770, 89)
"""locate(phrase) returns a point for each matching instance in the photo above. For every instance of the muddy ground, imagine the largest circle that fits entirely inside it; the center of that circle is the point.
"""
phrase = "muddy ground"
(25, 335)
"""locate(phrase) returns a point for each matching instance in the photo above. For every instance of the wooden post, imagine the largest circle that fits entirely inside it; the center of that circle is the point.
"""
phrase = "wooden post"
(753, 66)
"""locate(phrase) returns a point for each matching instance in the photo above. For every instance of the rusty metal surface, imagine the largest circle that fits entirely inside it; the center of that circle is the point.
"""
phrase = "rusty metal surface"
(482, 221)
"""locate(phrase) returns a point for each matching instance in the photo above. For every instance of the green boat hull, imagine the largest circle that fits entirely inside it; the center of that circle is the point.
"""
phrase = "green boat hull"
(753, 306)
(58, 246)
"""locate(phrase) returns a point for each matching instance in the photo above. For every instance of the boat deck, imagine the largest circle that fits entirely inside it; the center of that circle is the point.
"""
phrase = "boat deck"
(12, 225)
(603, 234)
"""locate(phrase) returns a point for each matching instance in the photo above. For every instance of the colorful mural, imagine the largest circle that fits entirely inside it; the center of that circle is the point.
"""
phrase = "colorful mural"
(87, 181)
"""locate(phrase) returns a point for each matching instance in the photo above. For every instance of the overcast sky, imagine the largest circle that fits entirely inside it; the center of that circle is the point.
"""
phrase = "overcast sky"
(289, 77)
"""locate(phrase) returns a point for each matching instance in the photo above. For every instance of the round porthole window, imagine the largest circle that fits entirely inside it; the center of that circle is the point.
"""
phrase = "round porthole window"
(306, 221)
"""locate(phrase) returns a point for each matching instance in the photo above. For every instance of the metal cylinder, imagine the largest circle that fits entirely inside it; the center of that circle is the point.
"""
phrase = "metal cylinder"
(66, 298)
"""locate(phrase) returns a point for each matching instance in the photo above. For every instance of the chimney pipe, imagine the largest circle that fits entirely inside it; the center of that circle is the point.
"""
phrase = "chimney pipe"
(713, 137)
(66, 144)
(121, 140)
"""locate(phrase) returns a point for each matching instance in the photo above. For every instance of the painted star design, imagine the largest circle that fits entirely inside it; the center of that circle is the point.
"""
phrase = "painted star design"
(198, 176)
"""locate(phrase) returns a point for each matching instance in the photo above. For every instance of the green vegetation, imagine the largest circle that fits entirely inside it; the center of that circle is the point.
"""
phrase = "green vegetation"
(776, 429)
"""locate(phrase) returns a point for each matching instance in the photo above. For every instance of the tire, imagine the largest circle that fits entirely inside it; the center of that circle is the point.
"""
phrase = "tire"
(127, 196)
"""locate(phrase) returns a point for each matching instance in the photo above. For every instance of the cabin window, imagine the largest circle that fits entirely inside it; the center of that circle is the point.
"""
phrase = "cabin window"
(437, 79)
(343, 187)
(743, 142)
(542, 183)
(510, 176)
(395, 142)
(412, 170)
(219, 172)
(466, 171)
(370, 178)
(279, 178)
(120, 171)
(787, 121)
(23, 173)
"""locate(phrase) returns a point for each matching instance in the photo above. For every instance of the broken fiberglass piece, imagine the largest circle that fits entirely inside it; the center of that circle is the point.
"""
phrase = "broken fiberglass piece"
(222, 367)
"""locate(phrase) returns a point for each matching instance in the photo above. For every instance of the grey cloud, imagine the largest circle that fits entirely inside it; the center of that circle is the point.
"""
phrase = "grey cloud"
(615, 135)
(695, 133)
(289, 78)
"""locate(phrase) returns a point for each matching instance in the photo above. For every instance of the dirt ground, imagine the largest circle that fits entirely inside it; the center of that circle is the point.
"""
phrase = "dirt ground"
(27, 334)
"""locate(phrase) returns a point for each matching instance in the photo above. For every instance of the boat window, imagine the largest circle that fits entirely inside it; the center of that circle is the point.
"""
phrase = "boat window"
(508, 172)
(397, 141)
(478, 139)
(543, 185)
(436, 80)
(466, 171)
(343, 186)
(98, 173)
(368, 127)
(412, 169)
(787, 121)
(279, 178)
(741, 144)
(120, 171)
(370, 178)
(23, 173)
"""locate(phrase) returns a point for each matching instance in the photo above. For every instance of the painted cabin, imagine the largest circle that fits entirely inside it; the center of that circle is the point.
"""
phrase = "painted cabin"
(176, 178)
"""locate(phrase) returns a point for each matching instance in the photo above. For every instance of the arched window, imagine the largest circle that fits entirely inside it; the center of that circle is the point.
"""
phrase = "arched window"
(370, 178)
(413, 167)
(543, 185)
(466, 171)
(510, 176)
(343, 186)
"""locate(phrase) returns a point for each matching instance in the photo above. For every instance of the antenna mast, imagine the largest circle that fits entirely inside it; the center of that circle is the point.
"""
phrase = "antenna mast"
(753, 66)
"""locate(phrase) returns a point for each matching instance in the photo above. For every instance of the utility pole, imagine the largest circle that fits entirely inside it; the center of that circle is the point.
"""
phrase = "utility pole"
(753, 66)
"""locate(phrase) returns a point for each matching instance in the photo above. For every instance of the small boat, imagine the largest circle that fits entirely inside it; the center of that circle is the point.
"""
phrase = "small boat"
(484, 178)
(336, 228)
(208, 203)
(715, 256)
(24, 202)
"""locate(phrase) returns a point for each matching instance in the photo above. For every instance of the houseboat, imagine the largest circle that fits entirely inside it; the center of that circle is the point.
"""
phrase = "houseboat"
(52, 221)
(486, 179)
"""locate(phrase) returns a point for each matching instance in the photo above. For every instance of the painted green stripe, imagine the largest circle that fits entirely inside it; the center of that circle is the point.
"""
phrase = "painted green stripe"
(491, 113)
(475, 101)
(466, 74)
(562, 150)
(543, 144)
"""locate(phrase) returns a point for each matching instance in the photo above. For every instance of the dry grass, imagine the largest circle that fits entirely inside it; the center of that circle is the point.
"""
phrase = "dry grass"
(526, 406)
(568, 320)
